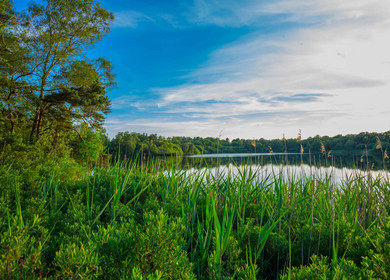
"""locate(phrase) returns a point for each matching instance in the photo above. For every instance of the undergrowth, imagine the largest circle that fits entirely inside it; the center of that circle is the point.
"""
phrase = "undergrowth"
(135, 220)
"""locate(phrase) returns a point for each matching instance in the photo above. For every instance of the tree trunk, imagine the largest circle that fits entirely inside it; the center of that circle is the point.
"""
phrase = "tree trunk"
(10, 110)
(35, 131)
(39, 123)
(35, 124)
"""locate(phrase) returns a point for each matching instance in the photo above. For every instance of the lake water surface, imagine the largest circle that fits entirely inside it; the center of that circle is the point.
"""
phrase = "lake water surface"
(292, 165)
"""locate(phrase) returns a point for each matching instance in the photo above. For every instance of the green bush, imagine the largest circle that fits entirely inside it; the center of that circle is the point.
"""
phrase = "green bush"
(77, 261)
(320, 269)
(21, 249)
(378, 260)
(159, 247)
(151, 249)
(231, 263)
(115, 244)
(137, 275)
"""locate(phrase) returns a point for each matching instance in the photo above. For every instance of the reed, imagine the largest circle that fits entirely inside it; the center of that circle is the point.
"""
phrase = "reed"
(242, 222)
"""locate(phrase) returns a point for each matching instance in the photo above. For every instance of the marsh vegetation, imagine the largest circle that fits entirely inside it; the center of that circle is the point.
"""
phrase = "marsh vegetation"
(136, 220)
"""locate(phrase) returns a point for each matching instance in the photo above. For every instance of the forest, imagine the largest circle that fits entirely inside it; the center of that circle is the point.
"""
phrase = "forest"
(130, 144)
(75, 204)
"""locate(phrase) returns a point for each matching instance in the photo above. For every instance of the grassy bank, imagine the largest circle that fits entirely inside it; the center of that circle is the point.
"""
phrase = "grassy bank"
(149, 221)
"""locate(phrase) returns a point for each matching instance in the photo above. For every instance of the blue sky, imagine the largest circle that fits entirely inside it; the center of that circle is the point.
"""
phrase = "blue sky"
(248, 69)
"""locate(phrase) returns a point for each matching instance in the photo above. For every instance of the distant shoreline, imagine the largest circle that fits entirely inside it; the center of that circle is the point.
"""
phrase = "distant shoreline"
(238, 155)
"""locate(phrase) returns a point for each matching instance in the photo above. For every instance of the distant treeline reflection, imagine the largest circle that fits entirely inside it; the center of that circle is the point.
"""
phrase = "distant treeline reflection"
(363, 150)
(318, 160)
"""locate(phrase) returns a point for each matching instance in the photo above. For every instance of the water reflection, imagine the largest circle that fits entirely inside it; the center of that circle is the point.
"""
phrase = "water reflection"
(336, 168)
(368, 162)
(270, 172)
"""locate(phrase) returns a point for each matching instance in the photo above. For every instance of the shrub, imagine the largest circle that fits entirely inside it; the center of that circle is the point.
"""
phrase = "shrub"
(320, 269)
(21, 248)
(378, 261)
(159, 247)
(231, 262)
(115, 244)
(77, 261)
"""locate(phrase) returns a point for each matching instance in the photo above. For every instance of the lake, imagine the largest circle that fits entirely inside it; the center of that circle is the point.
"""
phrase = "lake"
(336, 168)
(362, 162)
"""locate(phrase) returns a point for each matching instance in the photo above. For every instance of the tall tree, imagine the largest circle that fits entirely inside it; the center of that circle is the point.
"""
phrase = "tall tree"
(61, 85)
(61, 31)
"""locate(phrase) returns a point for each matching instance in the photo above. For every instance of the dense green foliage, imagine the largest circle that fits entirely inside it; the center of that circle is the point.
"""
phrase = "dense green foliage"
(129, 144)
(52, 99)
(149, 221)
(48, 89)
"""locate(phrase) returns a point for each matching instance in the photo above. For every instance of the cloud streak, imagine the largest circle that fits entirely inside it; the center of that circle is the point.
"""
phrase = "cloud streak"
(130, 19)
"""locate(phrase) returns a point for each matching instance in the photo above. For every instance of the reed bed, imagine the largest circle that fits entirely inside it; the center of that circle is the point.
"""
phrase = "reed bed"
(137, 220)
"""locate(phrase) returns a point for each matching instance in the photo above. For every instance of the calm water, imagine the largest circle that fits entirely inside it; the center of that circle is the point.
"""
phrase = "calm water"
(361, 162)
(267, 172)
(240, 155)
(336, 168)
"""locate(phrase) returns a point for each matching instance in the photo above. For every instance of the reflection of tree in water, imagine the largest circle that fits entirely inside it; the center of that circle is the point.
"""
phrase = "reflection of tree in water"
(318, 160)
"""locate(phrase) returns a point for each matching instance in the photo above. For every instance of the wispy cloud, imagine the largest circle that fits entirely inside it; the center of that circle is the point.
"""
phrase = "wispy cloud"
(130, 19)
(247, 12)
(223, 13)
(131, 101)
(299, 97)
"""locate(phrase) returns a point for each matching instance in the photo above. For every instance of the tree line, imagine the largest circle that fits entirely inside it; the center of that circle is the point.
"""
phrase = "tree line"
(128, 144)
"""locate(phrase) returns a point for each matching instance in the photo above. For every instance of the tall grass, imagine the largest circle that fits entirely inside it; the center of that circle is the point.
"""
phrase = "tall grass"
(316, 204)
(246, 224)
